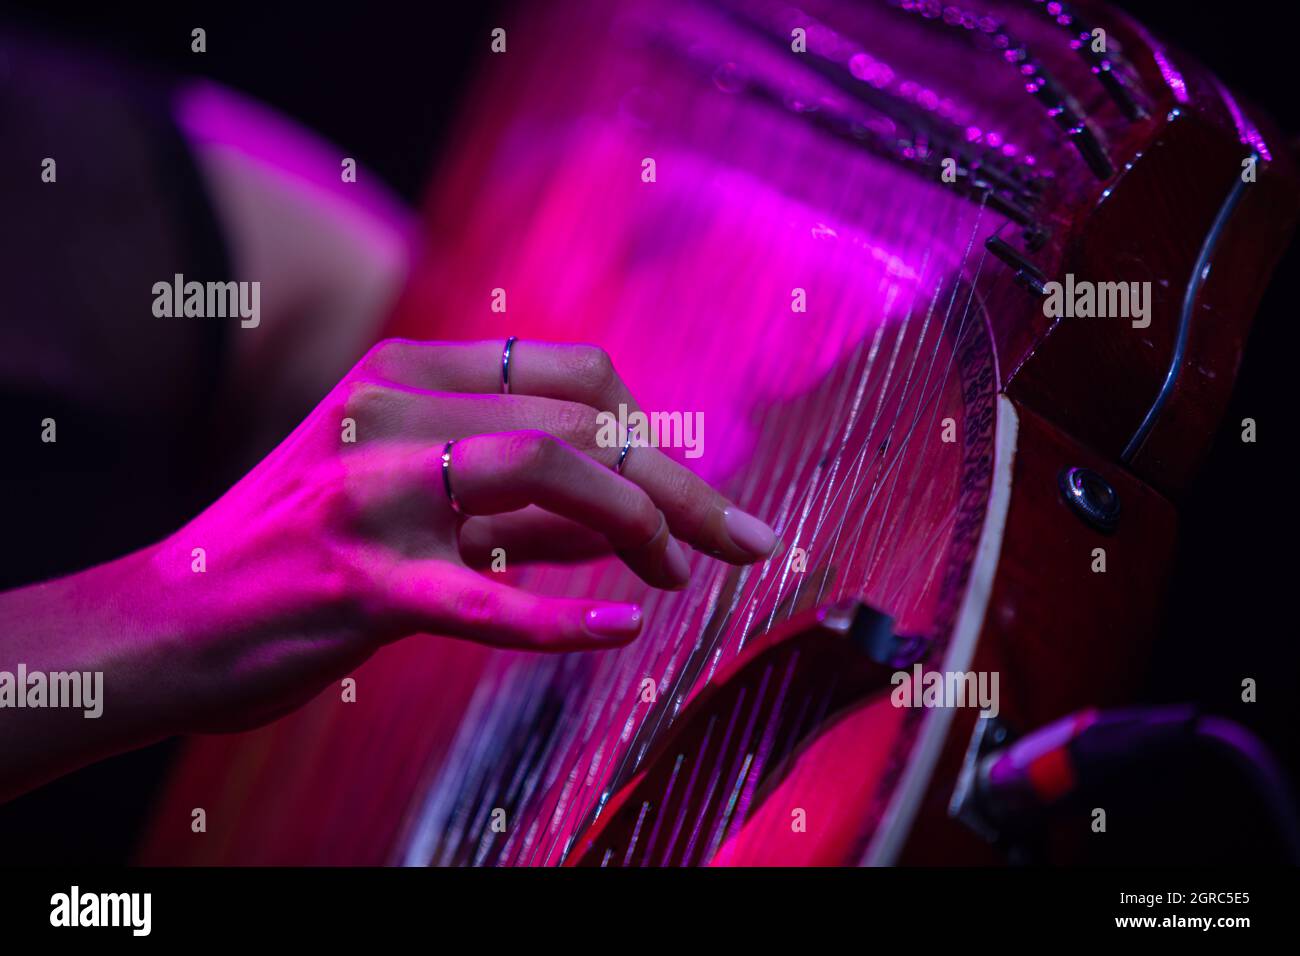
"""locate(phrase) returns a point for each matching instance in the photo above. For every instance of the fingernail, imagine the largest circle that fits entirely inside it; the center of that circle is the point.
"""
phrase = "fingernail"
(615, 620)
(748, 533)
(675, 561)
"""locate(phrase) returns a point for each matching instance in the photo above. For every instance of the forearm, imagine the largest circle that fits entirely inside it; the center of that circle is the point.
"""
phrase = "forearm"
(98, 673)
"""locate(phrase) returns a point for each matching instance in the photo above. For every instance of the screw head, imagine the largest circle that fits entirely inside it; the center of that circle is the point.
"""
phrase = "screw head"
(1091, 497)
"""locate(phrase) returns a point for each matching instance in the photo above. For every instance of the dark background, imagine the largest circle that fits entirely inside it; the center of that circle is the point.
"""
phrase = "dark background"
(383, 82)
(381, 79)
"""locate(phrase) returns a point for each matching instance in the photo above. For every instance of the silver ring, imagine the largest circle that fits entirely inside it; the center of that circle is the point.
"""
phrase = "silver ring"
(446, 478)
(622, 456)
(505, 366)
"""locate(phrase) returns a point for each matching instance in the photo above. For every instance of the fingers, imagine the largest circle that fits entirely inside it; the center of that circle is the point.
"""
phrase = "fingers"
(386, 412)
(695, 512)
(499, 473)
(397, 494)
(574, 373)
(528, 535)
(437, 598)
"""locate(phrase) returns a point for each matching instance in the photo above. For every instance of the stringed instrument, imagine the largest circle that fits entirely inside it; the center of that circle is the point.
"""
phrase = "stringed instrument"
(830, 230)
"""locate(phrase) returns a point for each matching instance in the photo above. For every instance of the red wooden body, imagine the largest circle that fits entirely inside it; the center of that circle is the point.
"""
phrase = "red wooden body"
(689, 288)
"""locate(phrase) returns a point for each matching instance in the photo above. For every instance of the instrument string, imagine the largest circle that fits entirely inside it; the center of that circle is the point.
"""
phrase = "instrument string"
(901, 407)
(757, 471)
(934, 406)
(742, 743)
(724, 342)
(865, 448)
(927, 380)
(717, 773)
(865, 445)
(860, 472)
(718, 346)
(776, 710)
(755, 761)
(859, 379)
(808, 484)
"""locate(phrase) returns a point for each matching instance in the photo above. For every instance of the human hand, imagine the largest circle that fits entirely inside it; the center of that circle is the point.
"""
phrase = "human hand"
(330, 548)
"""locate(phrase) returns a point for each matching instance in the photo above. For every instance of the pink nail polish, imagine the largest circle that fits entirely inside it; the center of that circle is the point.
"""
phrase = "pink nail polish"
(615, 620)
(748, 533)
